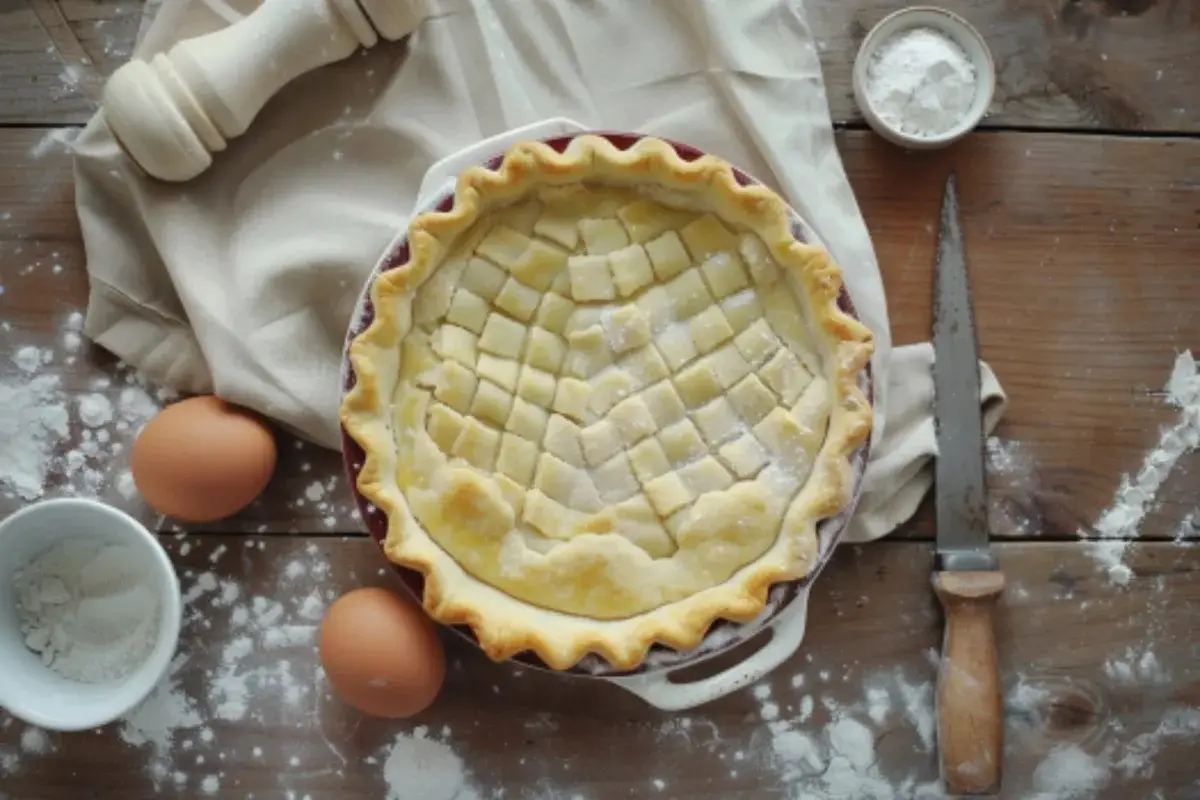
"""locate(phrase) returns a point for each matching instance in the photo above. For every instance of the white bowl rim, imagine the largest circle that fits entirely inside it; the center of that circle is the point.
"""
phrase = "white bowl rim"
(952, 25)
(170, 625)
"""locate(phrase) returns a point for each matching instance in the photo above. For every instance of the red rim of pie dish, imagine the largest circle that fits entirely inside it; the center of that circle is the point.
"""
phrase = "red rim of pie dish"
(660, 657)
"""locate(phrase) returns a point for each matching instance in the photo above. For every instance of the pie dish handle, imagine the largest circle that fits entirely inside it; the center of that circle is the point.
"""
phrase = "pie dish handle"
(787, 632)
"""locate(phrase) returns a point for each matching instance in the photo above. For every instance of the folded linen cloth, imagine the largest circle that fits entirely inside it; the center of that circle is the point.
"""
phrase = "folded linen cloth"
(242, 281)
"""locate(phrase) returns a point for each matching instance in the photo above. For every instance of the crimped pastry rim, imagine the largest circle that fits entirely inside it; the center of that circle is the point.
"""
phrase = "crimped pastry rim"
(504, 626)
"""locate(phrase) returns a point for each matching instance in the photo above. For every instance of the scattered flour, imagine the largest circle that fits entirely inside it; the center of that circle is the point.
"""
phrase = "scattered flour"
(35, 419)
(420, 768)
(1137, 492)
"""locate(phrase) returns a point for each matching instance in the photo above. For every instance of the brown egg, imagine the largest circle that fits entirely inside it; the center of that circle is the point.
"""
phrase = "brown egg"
(381, 653)
(203, 459)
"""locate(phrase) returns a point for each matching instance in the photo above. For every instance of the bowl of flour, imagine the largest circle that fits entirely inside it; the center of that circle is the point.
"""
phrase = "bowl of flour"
(924, 77)
(90, 612)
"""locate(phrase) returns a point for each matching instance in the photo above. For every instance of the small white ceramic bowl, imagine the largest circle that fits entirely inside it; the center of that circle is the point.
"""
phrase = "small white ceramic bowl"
(35, 693)
(959, 31)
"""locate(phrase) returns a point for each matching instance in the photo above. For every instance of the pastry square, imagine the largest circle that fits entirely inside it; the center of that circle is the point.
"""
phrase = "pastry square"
(633, 420)
(705, 475)
(646, 219)
(468, 311)
(502, 245)
(591, 278)
(562, 229)
(631, 269)
(751, 399)
(614, 479)
(609, 387)
(763, 269)
(518, 458)
(455, 343)
(745, 456)
(710, 329)
(455, 386)
(645, 366)
(600, 442)
(648, 460)
(668, 493)
(518, 300)
(536, 386)
(668, 257)
(477, 445)
(554, 313)
(566, 484)
(527, 420)
(681, 442)
(602, 236)
(491, 403)
(785, 375)
(626, 329)
(500, 371)
(571, 399)
(757, 343)
(445, 425)
(546, 351)
(706, 236)
(562, 440)
(742, 310)
(724, 273)
(539, 265)
(688, 295)
(697, 384)
(729, 365)
(664, 403)
(676, 345)
(717, 421)
(483, 278)
(656, 304)
(502, 336)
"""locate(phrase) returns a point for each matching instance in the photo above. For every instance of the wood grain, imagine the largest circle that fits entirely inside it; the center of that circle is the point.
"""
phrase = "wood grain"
(970, 708)
(1082, 254)
(1127, 65)
(1084, 666)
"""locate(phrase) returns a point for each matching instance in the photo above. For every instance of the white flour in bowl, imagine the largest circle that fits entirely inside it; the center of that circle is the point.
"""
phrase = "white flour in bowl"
(921, 83)
(90, 610)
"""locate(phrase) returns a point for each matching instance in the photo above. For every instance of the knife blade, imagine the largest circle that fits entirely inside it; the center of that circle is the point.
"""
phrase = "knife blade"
(962, 533)
(969, 707)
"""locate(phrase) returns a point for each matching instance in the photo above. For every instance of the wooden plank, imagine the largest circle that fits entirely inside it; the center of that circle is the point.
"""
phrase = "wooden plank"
(1082, 253)
(1100, 678)
(1082, 257)
(1107, 66)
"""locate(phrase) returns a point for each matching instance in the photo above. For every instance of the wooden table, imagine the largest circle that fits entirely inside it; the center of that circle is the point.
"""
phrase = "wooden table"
(1082, 208)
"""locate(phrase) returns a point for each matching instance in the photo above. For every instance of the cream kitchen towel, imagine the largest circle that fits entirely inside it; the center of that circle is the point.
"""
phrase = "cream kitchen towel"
(241, 282)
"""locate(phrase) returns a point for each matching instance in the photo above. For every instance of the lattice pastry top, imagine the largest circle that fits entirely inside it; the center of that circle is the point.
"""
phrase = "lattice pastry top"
(606, 401)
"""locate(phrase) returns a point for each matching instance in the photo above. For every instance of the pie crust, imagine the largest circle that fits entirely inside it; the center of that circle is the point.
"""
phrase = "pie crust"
(606, 401)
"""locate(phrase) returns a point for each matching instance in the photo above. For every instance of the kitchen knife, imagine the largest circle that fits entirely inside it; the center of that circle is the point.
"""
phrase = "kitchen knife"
(967, 581)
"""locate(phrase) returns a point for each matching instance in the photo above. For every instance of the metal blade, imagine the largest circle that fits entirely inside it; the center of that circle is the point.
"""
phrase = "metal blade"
(962, 532)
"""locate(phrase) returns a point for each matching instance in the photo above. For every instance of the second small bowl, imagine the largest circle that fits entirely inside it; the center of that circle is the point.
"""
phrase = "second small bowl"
(32, 691)
(959, 31)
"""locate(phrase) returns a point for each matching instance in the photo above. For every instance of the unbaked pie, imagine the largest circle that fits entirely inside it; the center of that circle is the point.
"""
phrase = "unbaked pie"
(606, 401)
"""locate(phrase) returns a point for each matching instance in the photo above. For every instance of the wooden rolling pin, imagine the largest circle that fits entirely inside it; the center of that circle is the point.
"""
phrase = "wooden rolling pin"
(172, 113)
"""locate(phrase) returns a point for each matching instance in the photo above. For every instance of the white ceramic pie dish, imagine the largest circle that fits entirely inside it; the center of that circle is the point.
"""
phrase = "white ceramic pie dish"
(785, 613)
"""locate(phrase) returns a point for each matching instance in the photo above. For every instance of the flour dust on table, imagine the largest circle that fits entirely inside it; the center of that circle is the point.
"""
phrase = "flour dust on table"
(55, 441)
(1138, 491)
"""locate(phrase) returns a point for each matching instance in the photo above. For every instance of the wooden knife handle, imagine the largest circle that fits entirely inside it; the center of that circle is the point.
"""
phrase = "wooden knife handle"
(969, 707)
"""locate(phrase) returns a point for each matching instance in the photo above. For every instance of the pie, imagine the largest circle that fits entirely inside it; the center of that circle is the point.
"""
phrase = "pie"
(606, 400)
